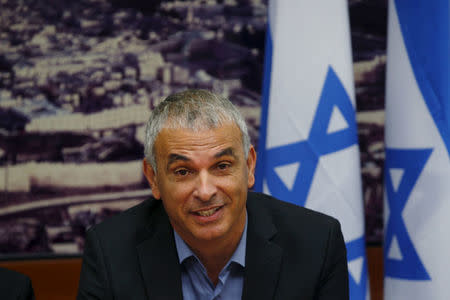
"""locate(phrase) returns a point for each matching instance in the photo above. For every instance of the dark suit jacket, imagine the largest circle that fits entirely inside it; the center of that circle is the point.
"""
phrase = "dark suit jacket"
(292, 253)
(15, 286)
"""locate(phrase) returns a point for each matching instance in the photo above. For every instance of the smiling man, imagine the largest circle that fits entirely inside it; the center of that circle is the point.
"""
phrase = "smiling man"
(203, 235)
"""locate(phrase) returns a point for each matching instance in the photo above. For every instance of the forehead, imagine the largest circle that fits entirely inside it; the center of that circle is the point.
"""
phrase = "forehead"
(185, 140)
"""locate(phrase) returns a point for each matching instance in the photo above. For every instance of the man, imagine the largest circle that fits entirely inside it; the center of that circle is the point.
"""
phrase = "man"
(203, 235)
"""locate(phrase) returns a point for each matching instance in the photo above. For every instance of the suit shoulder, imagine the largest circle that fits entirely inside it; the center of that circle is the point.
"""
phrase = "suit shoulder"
(285, 212)
(297, 229)
(127, 221)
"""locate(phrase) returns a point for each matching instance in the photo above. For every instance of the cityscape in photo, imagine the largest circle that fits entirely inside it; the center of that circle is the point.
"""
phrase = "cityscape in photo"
(78, 80)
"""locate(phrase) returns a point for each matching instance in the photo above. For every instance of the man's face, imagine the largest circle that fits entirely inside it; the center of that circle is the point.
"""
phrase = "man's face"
(202, 178)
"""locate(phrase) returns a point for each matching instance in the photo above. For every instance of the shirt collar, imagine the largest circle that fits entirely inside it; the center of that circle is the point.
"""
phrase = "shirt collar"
(238, 256)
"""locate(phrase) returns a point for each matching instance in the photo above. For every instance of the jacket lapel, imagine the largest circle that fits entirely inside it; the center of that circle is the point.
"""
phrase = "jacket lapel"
(263, 258)
(158, 259)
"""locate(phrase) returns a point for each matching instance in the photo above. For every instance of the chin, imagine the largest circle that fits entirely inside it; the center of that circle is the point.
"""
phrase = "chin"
(210, 235)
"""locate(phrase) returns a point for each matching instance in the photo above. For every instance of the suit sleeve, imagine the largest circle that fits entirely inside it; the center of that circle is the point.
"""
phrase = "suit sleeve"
(93, 278)
(334, 275)
(28, 292)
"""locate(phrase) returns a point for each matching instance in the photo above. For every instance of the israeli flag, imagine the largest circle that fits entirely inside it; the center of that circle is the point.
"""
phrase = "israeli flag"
(417, 168)
(308, 150)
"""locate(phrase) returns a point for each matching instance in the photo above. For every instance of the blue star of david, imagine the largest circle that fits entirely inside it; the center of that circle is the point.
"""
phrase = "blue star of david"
(412, 161)
(318, 143)
(355, 250)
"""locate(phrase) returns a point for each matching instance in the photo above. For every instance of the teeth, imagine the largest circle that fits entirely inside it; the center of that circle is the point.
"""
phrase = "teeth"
(207, 213)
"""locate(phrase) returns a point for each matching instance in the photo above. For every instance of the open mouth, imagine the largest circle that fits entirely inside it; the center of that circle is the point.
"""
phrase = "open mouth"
(207, 213)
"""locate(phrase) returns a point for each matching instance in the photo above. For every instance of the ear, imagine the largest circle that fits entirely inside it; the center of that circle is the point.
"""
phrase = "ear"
(151, 178)
(251, 163)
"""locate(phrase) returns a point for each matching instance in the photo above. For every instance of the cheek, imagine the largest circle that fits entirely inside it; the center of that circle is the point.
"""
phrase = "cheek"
(177, 196)
(235, 186)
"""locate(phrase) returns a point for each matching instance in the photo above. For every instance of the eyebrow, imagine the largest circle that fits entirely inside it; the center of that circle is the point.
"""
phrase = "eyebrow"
(174, 157)
(228, 151)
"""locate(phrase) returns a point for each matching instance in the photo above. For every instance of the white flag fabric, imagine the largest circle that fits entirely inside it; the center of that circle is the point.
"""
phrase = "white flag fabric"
(308, 150)
(417, 167)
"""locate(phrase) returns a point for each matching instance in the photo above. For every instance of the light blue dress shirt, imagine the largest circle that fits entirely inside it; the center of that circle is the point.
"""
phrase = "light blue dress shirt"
(195, 282)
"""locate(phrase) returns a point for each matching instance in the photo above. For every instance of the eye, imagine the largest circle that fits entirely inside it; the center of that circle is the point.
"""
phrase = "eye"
(181, 172)
(223, 166)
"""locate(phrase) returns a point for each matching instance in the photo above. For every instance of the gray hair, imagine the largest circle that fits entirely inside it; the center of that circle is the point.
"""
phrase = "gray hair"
(196, 110)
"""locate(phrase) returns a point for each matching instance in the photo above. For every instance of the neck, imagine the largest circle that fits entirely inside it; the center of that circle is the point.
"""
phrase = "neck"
(215, 254)
(214, 264)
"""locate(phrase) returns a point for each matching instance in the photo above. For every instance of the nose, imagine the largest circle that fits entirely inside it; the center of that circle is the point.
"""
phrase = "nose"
(205, 187)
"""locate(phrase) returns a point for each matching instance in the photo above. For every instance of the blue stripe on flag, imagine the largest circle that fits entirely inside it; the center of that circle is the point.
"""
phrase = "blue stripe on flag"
(356, 249)
(411, 162)
(264, 111)
(425, 29)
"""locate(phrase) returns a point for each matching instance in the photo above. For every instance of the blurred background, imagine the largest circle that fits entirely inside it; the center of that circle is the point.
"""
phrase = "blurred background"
(78, 80)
